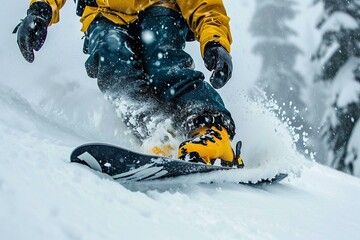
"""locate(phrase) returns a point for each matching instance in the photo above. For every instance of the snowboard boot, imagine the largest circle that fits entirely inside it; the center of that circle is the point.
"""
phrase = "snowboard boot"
(165, 150)
(208, 144)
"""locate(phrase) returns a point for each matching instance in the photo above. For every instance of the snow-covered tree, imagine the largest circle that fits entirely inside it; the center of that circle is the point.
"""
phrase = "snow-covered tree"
(338, 56)
(278, 78)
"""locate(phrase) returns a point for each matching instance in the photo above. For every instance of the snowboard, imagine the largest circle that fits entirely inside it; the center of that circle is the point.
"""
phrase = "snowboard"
(124, 165)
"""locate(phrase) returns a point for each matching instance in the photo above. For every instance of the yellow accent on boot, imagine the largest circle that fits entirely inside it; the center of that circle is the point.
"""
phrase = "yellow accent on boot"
(164, 150)
(208, 143)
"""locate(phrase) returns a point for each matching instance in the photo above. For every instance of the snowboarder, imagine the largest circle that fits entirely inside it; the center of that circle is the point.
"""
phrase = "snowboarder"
(136, 53)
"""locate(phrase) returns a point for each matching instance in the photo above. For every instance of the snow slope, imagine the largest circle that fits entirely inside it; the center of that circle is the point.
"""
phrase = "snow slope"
(51, 106)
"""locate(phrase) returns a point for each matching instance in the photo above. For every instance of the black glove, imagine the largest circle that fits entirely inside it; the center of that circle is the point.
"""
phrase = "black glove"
(218, 59)
(31, 32)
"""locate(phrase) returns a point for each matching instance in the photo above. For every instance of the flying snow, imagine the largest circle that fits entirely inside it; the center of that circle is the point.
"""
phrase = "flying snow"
(148, 37)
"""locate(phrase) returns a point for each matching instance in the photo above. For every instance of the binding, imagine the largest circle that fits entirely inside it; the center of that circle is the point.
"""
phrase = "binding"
(238, 162)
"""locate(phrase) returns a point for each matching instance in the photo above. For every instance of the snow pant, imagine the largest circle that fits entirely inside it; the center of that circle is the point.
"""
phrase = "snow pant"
(145, 66)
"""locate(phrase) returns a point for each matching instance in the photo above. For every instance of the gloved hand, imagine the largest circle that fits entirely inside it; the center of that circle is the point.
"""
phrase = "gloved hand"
(218, 59)
(32, 31)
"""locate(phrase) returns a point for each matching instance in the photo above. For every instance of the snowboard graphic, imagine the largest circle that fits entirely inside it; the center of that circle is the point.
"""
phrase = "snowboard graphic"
(124, 165)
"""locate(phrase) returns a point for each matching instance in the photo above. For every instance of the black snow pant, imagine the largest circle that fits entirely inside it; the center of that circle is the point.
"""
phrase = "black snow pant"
(149, 76)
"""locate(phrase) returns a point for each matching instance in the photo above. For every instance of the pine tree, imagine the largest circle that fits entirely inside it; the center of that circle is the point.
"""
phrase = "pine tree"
(339, 58)
(278, 78)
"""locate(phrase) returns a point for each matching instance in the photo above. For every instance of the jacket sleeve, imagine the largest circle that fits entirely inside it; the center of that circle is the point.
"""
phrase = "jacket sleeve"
(55, 6)
(208, 20)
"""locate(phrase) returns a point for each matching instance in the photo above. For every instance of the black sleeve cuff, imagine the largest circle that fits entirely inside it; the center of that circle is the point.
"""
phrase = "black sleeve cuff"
(41, 9)
(212, 44)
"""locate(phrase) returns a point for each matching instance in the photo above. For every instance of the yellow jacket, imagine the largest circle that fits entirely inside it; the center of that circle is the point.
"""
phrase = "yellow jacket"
(206, 18)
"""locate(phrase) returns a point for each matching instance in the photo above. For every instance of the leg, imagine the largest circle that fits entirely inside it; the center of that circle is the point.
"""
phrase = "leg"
(114, 60)
(170, 68)
(198, 109)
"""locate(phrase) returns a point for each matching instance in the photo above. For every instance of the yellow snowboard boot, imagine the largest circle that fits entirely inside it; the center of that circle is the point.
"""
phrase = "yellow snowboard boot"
(208, 144)
(163, 150)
